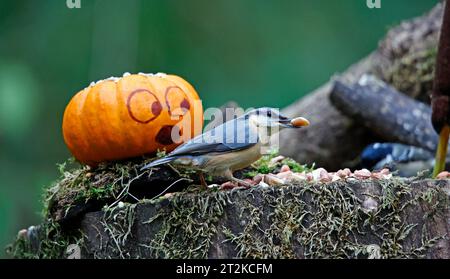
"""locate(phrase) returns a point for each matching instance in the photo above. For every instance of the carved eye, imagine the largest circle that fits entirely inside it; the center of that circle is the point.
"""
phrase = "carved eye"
(177, 101)
(143, 106)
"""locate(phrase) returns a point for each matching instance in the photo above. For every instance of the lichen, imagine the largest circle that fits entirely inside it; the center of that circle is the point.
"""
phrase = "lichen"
(309, 220)
(265, 165)
(413, 74)
(117, 223)
(304, 220)
(47, 241)
(188, 226)
(81, 184)
(327, 221)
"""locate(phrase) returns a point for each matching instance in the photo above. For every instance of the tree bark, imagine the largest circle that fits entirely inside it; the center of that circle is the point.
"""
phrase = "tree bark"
(390, 115)
(353, 219)
(404, 59)
(394, 218)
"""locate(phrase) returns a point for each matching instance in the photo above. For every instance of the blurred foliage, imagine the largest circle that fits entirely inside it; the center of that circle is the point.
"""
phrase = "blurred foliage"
(254, 52)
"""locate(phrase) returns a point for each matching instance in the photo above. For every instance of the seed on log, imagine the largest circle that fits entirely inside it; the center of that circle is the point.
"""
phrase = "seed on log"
(443, 175)
(284, 175)
(258, 178)
(227, 186)
(321, 175)
(276, 160)
(335, 177)
(363, 174)
(272, 180)
(297, 177)
(377, 175)
(285, 168)
(250, 181)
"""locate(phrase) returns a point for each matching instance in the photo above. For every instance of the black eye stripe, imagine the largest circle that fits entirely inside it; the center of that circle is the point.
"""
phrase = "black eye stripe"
(269, 113)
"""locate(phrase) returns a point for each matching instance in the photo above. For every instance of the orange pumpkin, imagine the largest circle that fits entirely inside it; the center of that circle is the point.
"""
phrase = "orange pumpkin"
(120, 118)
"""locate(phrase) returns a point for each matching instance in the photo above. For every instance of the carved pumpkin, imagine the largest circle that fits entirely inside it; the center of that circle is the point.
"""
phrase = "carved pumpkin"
(120, 118)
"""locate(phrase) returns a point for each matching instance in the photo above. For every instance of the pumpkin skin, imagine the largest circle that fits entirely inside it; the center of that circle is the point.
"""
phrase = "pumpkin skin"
(126, 117)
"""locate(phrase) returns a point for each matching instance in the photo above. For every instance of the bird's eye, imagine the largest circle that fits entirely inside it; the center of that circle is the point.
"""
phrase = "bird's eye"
(269, 113)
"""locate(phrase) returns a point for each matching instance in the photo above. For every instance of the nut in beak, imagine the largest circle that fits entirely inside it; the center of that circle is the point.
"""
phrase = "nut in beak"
(299, 122)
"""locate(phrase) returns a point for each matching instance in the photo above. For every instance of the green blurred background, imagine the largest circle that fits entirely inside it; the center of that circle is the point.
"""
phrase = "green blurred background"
(251, 51)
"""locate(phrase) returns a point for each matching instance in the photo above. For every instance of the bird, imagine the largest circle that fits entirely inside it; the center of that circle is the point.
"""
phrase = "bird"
(231, 146)
(406, 159)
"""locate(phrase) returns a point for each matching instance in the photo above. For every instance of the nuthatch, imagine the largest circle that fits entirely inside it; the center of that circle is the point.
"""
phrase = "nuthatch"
(231, 146)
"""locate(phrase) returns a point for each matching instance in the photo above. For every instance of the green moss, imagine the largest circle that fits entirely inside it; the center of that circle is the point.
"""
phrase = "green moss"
(278, 239)
(312, 220)
(108, 182)
(117, 223)
(326, 221)
(188, 226)
(47, 241)
(265, 165)
(413, 74)
(81, 184)
(296, 167)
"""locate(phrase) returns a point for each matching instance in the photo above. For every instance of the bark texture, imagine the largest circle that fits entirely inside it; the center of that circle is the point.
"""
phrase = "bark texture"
(405, 59)
(389, 114)
(356, 219)
(394, 218)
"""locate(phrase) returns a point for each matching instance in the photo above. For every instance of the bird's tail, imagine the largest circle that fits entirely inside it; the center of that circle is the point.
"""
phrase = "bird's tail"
(158, 162)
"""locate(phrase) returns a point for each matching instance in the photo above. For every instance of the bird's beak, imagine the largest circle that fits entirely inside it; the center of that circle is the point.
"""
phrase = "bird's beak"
(297, 122)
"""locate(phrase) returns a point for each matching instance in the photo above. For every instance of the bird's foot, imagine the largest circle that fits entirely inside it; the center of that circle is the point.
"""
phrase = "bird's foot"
(237, 184)
(228, 185)
(203, 183)
(244, 183)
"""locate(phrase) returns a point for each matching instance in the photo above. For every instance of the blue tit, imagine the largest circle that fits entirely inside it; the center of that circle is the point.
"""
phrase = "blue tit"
(231, 146)
(406, 159)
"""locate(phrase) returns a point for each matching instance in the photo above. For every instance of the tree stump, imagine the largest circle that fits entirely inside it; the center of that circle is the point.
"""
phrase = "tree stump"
(96, 213)
(358, 219)
(390, 218)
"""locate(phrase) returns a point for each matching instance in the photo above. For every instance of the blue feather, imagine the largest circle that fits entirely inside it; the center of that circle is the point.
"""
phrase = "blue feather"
(406, 159)
(158, 162)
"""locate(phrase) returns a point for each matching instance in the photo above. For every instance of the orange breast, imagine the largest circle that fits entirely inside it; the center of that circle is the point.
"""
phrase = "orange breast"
(131, 116)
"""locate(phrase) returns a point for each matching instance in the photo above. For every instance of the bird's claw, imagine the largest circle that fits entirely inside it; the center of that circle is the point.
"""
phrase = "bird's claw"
(237, 183)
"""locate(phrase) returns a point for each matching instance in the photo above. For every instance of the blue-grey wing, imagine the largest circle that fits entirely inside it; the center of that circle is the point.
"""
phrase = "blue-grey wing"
(406, 153)
(206, 148)
(233, 135)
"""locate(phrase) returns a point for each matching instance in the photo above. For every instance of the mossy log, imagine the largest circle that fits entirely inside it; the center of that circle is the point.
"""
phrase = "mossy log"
(351, 218)
(404, 59)
(393, 218)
